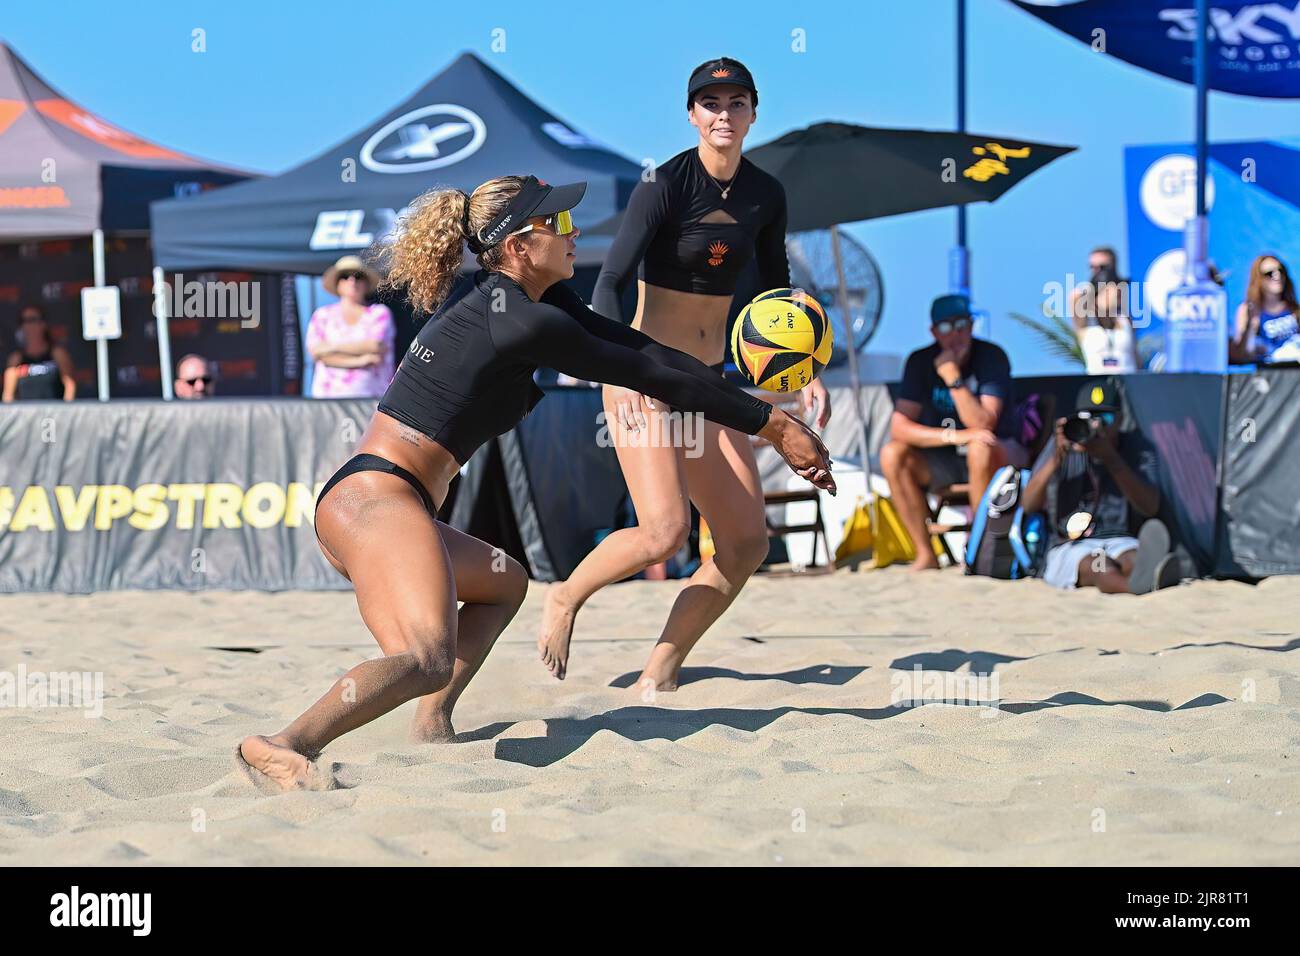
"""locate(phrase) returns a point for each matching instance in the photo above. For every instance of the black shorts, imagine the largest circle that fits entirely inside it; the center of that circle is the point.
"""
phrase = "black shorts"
(946, 467)
(366, 462)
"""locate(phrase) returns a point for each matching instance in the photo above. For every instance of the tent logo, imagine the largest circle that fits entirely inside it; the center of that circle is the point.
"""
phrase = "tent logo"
(426, 138)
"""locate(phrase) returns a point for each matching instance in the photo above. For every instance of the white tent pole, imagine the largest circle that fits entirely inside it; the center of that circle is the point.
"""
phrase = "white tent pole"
(101, 343)
(851, 348)
(161, 315)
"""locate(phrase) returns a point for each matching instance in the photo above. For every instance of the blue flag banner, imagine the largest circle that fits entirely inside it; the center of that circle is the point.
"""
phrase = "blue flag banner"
(1254, 47)
(1253, 200)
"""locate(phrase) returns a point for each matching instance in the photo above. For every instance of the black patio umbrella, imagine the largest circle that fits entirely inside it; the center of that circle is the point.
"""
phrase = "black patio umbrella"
(835, 173)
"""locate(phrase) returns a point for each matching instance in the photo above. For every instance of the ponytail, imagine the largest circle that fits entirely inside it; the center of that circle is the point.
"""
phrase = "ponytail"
(426, 250)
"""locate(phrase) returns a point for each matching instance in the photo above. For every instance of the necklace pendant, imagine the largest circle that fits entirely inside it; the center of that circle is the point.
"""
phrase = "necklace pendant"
(725, 191)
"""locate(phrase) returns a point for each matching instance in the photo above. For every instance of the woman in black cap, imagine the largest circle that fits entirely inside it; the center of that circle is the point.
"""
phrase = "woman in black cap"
(691, 228)
(467, 377)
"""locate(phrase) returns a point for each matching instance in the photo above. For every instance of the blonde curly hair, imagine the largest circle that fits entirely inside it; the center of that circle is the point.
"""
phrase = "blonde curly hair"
(425, 251)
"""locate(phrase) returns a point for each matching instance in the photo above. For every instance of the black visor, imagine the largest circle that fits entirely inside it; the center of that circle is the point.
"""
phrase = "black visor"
(535, 198)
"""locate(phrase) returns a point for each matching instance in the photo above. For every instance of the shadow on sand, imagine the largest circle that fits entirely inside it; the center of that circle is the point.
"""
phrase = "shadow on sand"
(565, 735)
(827, 674)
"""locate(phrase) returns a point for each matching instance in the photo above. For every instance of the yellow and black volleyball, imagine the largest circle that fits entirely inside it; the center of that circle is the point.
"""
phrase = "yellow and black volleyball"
(781, 341)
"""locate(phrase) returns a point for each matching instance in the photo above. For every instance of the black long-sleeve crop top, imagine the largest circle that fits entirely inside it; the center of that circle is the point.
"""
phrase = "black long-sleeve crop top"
(663, 231)
(468, 375)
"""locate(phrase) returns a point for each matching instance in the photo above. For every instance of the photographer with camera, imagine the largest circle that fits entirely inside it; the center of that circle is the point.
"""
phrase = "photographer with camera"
(1099, 308)
(1096, 483)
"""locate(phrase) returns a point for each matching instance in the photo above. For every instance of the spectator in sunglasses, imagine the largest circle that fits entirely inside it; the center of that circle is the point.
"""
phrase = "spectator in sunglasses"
(194, 378)
(951, 422)
(351, 342)
(1268, 322)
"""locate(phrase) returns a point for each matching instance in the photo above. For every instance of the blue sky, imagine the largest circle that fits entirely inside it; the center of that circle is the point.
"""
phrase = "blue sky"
(281, 81)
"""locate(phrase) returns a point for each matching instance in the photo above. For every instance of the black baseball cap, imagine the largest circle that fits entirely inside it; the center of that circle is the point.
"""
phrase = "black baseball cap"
(1100, 395)
(953, 306)
(535, 198)
(722, 70)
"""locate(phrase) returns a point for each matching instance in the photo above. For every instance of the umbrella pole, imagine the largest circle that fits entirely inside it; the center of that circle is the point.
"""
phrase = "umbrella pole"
(851, 346)
(101, 343)
(1198, 240)
(959, 261)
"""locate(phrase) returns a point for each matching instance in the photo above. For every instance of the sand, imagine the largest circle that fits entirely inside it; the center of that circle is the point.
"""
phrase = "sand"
(1156, 730)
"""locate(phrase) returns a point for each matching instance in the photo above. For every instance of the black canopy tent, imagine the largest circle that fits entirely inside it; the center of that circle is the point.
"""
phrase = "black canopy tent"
(466, 125)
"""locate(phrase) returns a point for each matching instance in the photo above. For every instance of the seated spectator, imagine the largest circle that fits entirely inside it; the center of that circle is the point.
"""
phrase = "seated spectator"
(38, 370)
(951, 422)
(1268, 322)
(1099, 309)
(1096, 493)
(350, 341)
(194, 378)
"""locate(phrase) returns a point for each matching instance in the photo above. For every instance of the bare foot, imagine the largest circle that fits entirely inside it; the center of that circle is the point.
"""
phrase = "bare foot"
(433, 728)
(647, 687)
(924, 562)
(273, 765)
(556, 632)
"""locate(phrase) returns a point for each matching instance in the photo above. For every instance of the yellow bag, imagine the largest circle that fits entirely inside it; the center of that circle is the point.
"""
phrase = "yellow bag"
(892, 542)
(857, 536)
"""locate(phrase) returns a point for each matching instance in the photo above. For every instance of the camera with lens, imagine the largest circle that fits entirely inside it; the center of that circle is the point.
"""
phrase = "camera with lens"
(1080, 427)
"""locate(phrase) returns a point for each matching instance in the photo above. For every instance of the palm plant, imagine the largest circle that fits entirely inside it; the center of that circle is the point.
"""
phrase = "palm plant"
(1056, 335)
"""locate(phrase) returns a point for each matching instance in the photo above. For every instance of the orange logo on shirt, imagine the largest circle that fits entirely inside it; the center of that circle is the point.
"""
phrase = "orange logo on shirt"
(716, 251)
(721, 73)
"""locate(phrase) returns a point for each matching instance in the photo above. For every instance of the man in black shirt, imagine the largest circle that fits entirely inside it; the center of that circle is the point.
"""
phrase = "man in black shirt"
(1096, 493)
(951, 420)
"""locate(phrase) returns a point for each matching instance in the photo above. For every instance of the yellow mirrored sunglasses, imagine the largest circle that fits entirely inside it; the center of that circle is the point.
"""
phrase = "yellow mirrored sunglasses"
(561, 223)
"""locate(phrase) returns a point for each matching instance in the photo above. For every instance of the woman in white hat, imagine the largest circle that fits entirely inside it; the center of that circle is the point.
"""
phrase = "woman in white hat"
(351, 342)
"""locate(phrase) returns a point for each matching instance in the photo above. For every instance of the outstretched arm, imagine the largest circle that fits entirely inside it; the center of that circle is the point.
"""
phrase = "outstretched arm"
(616, 333)
(600, 350)
(544, 334)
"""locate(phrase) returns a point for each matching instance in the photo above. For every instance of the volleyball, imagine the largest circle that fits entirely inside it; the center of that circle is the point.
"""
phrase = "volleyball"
(781, 341)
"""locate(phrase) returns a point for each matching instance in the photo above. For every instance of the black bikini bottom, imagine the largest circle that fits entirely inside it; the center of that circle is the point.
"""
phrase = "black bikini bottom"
(376, 463)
